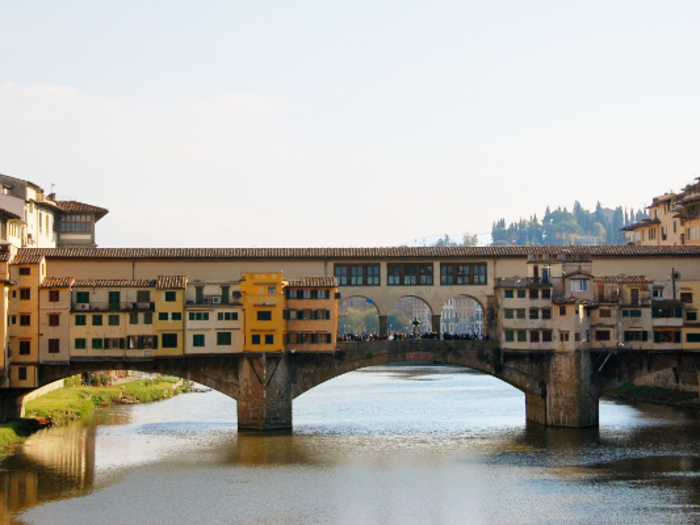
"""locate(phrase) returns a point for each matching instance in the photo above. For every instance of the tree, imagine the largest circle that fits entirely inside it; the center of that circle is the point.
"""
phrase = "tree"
(470, 239)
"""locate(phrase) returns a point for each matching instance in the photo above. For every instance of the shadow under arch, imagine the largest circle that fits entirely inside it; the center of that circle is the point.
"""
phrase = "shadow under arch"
(482, 356)
(462, 314)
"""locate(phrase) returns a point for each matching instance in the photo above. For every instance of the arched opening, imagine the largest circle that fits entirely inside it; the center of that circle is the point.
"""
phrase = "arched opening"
(409, 316)
(357, 316)
(462, 317)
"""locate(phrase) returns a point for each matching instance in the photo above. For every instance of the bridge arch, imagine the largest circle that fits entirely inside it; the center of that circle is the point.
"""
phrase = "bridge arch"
(405, 311)
(357, 314)
(462, 315)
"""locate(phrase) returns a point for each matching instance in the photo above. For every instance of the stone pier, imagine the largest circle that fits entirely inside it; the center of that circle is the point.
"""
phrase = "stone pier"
(265, 392)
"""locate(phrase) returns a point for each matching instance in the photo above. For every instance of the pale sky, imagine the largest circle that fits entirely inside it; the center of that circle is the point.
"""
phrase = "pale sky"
(319, 123)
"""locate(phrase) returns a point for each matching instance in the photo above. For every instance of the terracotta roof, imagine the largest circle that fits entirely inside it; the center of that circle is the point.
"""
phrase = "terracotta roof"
(663, 198)
(81, 207)
(622, 279)
(403, 252)
(641, 224)
(691, 198)
(36, 186)
(314, 282)
(171, 281)
(28, 257)
(57, 282)
(5, 256)
(114, 283)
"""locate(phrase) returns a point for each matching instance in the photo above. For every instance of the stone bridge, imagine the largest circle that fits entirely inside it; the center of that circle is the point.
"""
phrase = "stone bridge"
(561, 388)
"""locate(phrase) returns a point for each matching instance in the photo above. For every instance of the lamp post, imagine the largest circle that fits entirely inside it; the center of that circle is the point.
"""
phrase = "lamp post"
(416, 324)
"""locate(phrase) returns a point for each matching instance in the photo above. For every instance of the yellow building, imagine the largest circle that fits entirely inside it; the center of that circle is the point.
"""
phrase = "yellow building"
(312, 314)
(264, 303)
(169, 323)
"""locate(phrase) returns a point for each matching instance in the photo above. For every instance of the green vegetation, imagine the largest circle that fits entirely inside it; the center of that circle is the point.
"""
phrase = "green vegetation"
(75, 402)
(660, 396)
(367, 321)
(580, 226)
(14, 432)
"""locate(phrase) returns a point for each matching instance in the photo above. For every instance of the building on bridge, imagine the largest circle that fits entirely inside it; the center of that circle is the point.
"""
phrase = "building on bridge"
(251, 309)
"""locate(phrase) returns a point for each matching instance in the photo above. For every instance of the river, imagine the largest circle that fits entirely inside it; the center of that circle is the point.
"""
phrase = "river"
(386, 445)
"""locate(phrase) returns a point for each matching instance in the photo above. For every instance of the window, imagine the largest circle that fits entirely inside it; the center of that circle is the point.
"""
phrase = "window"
(579, 285)
(54, 346)
(632, 313)
(143, 296)
(134, 318)
(228, 316)
(271, 290)
(113, 343)
(687, 297)
(522, 336)
(113, 320)
(667, 312)
(80, 320)
(461, 273)
(692, 338)
(269, 339)
(534, 313)
(508, 294)
(546, 336)
(564, 336)
(54, 319)
(199, 316)
(54, 296)
(357, 274)
(177, 316)
(225, 294)
(198, 340)
(322, 314)
(25, 347)
(76, 224)
(409, 274)
(509, 313)
(163, 316)
(605, 313)
(148, 318)
(80, 343)
(223, 338)
(667, 336)
(635, 335)
(546, 313)
(510, 336)
(97, 343)
(25, 320)
(657, 293)
(97, 320)
(22, 373)
(25, 270)
(256, 339)
(264, 315)
(534, 293)
(13, 319)
(691, 316)
(602, 335)
(562, 310)
(577, 336)
(169, 340)
(25, 294)
(534, 336)
(82, 297)
(521, 294)
(520, 313)
(170, 297)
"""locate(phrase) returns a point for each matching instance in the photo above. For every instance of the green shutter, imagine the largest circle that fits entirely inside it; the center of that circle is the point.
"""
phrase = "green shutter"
(678, 313)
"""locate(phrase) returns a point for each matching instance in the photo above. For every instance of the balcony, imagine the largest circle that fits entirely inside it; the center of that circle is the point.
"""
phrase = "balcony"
(522, 282)
(122, 306)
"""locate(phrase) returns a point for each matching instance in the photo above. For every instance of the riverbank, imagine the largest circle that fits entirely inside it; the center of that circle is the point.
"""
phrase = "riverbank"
(70, 403)
(630, 393)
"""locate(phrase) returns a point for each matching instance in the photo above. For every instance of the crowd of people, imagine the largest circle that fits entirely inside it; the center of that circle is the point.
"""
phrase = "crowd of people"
(400, 336)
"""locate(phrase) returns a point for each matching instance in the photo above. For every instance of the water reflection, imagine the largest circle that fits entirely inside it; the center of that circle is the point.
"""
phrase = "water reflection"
(393, 444)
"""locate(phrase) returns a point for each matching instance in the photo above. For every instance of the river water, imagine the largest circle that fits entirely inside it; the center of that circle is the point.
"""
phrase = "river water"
(386, 445)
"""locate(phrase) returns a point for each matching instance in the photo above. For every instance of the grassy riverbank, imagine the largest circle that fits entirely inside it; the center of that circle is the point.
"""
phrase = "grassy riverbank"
(658, 396)
(71, 403)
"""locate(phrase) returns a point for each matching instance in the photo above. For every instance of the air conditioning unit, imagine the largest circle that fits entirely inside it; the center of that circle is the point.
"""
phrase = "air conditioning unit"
(84, 306)
(216, 300)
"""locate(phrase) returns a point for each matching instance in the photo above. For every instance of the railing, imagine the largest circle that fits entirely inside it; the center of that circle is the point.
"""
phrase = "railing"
(96, 306)
(522, 282)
